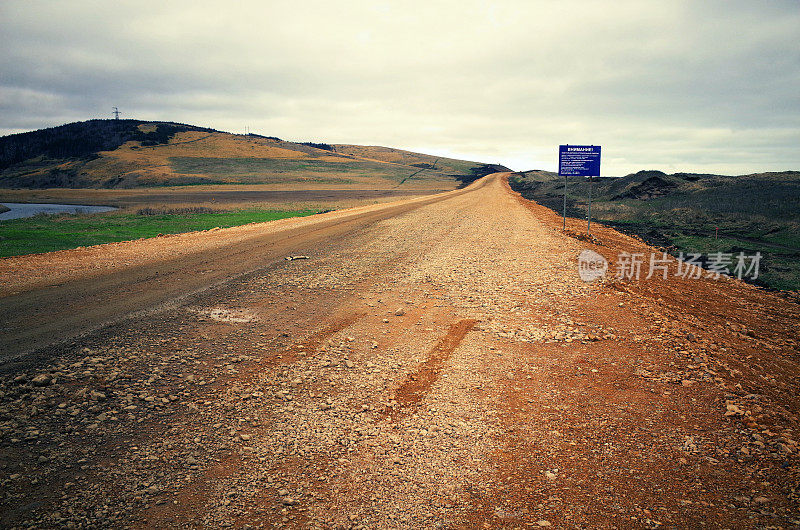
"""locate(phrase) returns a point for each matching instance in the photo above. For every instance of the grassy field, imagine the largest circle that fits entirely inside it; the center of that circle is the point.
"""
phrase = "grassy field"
(46, 233)
(692, 213)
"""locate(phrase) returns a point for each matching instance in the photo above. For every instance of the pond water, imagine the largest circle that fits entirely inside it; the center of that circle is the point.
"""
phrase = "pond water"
(17, 209)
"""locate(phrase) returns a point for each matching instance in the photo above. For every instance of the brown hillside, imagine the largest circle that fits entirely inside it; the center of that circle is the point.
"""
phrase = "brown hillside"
(169, 154)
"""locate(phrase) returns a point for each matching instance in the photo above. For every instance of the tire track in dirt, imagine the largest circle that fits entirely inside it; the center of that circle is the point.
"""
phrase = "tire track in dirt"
(416, 385)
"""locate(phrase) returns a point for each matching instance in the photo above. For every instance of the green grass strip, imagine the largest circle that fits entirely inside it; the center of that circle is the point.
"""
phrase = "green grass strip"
(46, 233)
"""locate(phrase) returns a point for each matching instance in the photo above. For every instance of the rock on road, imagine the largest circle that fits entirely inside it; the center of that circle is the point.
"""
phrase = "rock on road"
(435, 364)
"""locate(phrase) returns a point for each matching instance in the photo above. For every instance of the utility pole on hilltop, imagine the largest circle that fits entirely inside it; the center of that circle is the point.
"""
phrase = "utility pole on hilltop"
(116, 113)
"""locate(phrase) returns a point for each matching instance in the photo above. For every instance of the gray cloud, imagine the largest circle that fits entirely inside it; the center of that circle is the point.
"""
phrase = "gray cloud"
(688, 86)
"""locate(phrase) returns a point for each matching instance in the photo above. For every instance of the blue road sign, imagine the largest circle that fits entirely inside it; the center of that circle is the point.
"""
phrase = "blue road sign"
(579, 160)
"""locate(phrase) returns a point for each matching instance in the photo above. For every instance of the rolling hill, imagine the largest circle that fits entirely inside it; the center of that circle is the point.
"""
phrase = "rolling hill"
(133, 154)
(691, 212)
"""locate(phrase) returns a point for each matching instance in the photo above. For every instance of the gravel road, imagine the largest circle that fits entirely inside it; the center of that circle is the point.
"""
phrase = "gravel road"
(435, 363)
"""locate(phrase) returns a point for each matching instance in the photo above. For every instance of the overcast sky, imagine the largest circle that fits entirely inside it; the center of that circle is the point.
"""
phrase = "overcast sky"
(675, 86)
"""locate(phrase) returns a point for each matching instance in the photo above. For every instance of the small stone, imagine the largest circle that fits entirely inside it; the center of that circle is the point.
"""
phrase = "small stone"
(245, 437)
(289, 501)
(543, 522)
(733, 410)
(42, 380)
(399, 312)
(349, 363)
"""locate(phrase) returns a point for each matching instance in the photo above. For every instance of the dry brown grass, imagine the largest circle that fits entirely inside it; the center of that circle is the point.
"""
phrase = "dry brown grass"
(154, 165)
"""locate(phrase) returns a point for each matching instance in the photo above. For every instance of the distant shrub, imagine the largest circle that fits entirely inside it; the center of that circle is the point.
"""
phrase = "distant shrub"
(161, 135)
(325, 147)
(254, 135)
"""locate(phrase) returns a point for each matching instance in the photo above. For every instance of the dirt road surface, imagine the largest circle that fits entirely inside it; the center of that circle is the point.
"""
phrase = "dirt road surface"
(435, 364)
(50, 297)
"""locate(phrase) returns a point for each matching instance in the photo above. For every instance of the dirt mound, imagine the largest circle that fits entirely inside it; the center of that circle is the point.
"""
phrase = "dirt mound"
(651, 188)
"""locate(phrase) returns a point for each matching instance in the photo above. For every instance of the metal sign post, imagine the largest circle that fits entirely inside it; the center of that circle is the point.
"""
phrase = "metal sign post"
(580, 161)
(565, 203)
(589, 211)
